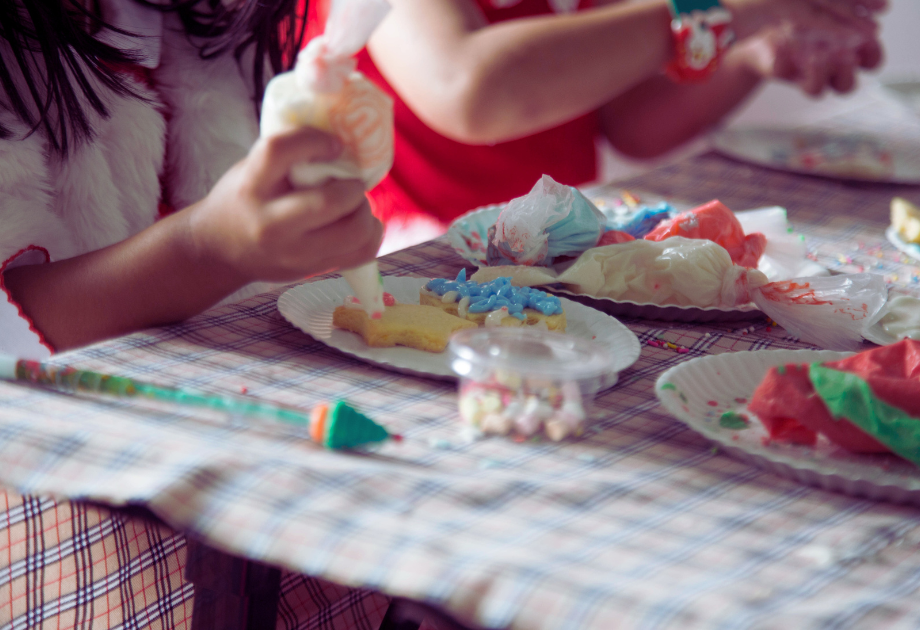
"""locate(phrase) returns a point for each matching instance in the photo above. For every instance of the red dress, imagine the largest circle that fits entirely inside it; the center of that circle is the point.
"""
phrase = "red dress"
(436, 176)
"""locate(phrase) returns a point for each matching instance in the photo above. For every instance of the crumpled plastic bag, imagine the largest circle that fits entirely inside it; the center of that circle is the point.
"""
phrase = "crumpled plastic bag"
(715, 222)
(640, 221)
(866, 403)
(550, 221)
(678, 271)
(325, 91)
(786, 255)
(830, 312)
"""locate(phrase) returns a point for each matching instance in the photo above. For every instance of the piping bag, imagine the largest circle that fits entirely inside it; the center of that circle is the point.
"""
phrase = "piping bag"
(326, 92)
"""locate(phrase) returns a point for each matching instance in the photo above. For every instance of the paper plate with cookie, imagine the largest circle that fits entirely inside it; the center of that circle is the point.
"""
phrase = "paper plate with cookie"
(422, 313)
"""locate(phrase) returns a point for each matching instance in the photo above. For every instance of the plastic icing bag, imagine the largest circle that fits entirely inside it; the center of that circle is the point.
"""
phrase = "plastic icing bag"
(830, 312)
(325, 91)
(551, 220)
(641, 221)
(679, 271)
(715, 222)
(786, 255)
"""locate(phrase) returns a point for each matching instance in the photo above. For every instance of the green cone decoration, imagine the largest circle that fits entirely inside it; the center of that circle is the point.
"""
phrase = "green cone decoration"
(348, 428)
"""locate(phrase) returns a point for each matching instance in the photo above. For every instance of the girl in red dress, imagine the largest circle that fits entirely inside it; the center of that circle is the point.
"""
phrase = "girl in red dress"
(492, 94)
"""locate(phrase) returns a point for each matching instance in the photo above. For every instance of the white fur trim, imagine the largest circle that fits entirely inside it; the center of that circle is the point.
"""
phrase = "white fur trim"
(213, 120)
(17, 338)
(26, 197)
(108, 189)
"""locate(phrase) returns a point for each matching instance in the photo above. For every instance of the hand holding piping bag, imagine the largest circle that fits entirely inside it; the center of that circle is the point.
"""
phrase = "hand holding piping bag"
(325, 91)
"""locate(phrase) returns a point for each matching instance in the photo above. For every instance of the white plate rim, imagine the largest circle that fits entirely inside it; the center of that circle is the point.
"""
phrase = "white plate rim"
(627, 353)
(724, 142)
(911, 249)
(880, 485)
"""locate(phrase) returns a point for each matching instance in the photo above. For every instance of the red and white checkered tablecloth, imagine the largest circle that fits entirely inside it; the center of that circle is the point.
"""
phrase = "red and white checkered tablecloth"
(640, 524)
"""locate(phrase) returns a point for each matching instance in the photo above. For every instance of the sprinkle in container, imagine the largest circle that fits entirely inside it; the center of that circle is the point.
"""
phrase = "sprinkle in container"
(523, 381)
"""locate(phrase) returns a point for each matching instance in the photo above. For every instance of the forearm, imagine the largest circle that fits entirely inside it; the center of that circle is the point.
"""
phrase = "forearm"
(659, 115)
(488, 83)
(153, 278)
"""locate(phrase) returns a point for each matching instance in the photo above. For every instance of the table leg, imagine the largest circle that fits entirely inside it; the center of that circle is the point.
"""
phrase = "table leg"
(405, 614)
(231, 593)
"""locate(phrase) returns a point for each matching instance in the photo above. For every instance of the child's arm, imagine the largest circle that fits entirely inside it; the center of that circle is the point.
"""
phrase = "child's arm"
(658, 114)
(481, 83)
(252, 226)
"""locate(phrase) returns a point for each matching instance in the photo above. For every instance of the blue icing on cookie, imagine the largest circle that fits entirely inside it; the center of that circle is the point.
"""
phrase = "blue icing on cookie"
(491, 296)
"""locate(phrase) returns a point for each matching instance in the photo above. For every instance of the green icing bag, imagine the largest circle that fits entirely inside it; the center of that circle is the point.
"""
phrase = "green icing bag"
(849, 397)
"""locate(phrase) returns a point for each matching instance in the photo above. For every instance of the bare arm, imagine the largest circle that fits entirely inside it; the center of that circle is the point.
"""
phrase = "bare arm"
(658, 115)
(252, 226)
(480, 83)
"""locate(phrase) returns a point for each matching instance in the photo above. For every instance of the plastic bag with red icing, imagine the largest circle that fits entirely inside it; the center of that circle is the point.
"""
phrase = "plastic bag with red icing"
(867, 403)
(714, 222)
(830, 312)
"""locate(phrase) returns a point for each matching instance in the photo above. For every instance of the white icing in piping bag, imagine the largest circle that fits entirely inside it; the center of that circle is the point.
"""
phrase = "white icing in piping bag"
(325, 91)
(367, 284)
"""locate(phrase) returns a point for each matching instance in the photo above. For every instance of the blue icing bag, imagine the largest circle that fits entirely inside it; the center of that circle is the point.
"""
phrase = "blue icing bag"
(551, 220)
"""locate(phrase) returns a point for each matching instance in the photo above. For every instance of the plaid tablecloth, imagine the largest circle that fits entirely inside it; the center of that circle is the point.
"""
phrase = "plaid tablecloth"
(640, 524)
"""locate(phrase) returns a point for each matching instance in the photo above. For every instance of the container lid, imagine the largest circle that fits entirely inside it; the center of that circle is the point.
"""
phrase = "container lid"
(528, 351)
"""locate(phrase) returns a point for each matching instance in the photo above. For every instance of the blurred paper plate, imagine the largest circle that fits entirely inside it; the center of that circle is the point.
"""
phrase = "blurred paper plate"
(911, 249)
(905, 91)
(309, 307)
(698, 392)
(840, 155)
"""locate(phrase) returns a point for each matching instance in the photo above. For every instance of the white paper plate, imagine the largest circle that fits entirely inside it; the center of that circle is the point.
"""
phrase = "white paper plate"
(699, 391)
(467, 235)
(840, 155)
(911, 249)
(309, 307)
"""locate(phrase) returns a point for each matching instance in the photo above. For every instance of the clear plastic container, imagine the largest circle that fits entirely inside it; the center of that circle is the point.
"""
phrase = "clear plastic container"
(524, 381)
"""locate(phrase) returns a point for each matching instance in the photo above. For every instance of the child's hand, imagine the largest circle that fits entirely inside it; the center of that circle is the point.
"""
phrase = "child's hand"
(753, 16)
(262, 228)
(814, 59)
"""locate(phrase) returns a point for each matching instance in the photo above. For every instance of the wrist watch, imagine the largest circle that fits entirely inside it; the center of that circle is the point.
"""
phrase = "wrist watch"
(702, 33)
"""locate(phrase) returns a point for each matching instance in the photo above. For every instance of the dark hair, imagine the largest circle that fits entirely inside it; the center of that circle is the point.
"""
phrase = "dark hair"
(52, 48)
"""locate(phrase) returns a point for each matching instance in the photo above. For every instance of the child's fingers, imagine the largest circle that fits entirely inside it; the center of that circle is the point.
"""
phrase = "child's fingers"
(814, 76)
(856, 13)
(346, 242)
(871, 54)
(272, 158)
(360, 235)
(307, 209)
(842, 75)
